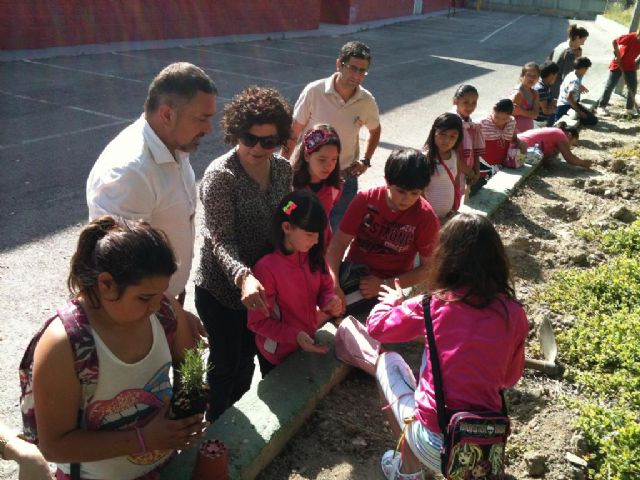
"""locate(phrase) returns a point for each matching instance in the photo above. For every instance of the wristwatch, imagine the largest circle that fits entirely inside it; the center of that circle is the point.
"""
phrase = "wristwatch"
(366, 161)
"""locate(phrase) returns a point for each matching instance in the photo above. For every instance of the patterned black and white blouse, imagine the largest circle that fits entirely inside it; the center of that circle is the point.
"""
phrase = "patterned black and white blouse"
(237, 222)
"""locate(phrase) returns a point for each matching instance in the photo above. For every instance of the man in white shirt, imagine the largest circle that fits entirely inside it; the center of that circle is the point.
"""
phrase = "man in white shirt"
(144, 173)
(343, 103)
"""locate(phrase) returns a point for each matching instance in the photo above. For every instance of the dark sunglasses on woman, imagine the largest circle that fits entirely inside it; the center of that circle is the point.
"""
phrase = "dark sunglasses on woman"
(268, 143)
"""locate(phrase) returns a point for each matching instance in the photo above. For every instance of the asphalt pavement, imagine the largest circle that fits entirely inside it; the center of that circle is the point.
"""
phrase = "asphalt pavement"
(58, 112)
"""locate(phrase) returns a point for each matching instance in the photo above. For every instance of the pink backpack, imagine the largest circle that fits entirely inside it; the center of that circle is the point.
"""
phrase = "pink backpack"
(76, 324)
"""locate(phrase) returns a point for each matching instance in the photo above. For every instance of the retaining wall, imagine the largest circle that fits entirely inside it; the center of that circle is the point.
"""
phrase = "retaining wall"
(582, 9)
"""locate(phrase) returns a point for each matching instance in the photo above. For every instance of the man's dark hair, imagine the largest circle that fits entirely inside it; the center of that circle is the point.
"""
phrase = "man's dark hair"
(548, 68)
(582, 62)
(408, 168)
(176, 85)
(356, 50)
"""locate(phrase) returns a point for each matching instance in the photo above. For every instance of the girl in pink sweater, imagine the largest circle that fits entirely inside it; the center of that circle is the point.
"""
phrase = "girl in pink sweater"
(296, 282)
(479, 328)
(316, 168)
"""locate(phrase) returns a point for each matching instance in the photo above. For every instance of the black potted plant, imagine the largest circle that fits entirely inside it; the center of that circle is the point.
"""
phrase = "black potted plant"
(190, 389)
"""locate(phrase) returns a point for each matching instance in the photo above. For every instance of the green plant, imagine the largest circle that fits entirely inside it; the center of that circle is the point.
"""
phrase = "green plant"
(602, 351)
(193, 368)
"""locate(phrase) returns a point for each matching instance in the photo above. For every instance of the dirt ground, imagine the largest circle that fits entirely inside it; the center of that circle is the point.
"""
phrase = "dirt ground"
(346, 435)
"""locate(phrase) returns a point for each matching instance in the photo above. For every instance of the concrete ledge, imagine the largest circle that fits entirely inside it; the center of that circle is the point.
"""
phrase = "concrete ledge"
(497, 190)
(258, 426)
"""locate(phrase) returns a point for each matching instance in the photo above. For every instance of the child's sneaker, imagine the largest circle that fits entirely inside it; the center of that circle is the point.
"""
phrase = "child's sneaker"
(391, 462)
(602, 111)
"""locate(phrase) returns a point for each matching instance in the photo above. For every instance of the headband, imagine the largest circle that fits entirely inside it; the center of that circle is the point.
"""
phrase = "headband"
(317, 137)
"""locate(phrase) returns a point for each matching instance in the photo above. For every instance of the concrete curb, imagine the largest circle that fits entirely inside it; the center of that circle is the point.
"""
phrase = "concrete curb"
(497, 190)
(261, 423)
(324, 30)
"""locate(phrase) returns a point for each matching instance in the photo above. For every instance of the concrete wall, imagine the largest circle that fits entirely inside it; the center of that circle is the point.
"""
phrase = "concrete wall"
(584, 9)
(54, 23)
(356, 11)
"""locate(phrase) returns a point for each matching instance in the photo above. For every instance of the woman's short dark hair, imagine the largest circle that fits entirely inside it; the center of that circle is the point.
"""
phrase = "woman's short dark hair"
(129, 251)
(446, 121)
(255, 106)
(176, 85)
(408, 168)
(302, 209)
(471, 258)
(548, 68)
(504, 105)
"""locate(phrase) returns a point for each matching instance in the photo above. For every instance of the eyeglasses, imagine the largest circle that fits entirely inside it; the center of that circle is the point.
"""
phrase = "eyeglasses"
(354, 69)
(268, 143)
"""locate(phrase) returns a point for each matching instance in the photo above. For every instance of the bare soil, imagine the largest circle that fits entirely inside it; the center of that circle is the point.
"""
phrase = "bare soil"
(346, 435)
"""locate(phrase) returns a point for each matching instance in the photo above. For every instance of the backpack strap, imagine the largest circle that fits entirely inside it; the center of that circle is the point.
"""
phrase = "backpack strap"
(435, 365)
(167, 318)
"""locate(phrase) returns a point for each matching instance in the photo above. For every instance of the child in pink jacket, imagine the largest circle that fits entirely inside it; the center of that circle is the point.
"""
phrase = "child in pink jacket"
(296, 282)
(480, 331)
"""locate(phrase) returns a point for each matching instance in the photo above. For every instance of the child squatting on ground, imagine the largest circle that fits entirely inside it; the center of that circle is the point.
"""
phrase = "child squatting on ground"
(316, 168)
(443, 192)
(554, 140)
(480, 331)
(385, 227)
(118, 277)
(296, 282)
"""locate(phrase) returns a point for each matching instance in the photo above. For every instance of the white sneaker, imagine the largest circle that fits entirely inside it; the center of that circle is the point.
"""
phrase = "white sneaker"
(391, 462)
(602, 111)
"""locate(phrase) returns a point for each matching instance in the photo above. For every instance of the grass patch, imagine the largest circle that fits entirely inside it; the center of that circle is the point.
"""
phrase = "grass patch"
(619, 12)
(602, 350)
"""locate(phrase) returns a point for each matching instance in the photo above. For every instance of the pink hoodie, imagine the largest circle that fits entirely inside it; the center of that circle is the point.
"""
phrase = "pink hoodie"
(481, 351)
(293, 292)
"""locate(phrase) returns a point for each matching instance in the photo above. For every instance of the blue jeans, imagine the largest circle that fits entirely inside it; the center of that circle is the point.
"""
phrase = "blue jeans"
(349, 191)
(631, 79)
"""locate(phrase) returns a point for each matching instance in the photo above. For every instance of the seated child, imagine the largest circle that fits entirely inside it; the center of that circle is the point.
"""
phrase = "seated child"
(295, 281)
(499, 132)
(570, 92)
(384, 227)
(548, 74)
(553, 140)
(480, 331)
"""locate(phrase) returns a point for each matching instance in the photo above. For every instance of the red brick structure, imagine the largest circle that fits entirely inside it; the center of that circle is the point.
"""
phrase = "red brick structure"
(57, 23)
(28, 24)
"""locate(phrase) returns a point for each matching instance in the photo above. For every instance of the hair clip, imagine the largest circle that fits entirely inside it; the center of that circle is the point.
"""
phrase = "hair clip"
(289, 207)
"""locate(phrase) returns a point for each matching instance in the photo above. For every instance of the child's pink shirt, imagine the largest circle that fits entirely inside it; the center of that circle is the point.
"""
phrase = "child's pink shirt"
(481, 351)
(290, 284)
(328, 197)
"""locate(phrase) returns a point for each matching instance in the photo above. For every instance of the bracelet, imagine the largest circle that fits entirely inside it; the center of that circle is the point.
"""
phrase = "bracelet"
(366, 161)
(241, 276)
(143, 446)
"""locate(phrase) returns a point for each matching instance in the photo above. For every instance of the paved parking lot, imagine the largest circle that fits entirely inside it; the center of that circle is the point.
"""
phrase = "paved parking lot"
(58, 113)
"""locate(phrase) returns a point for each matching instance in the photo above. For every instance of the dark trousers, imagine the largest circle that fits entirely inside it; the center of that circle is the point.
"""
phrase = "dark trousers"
(588, 120)
(631, 79)
(232, 350)
(265, 365)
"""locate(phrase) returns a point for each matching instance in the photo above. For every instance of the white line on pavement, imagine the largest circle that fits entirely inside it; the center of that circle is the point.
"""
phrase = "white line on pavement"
(501, 28)
(88, 72)
(253, 59)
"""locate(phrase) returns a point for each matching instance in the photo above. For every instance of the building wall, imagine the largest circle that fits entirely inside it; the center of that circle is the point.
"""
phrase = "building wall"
(54, 23)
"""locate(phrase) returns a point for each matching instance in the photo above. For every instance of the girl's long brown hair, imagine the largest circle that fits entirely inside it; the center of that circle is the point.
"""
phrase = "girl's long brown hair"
(470, 258)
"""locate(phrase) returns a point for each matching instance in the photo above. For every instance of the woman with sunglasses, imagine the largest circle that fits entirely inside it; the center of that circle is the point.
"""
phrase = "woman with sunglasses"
(239, 191)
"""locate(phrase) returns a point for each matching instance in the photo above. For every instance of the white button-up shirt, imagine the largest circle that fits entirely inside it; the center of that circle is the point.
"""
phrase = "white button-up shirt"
(137, 178)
